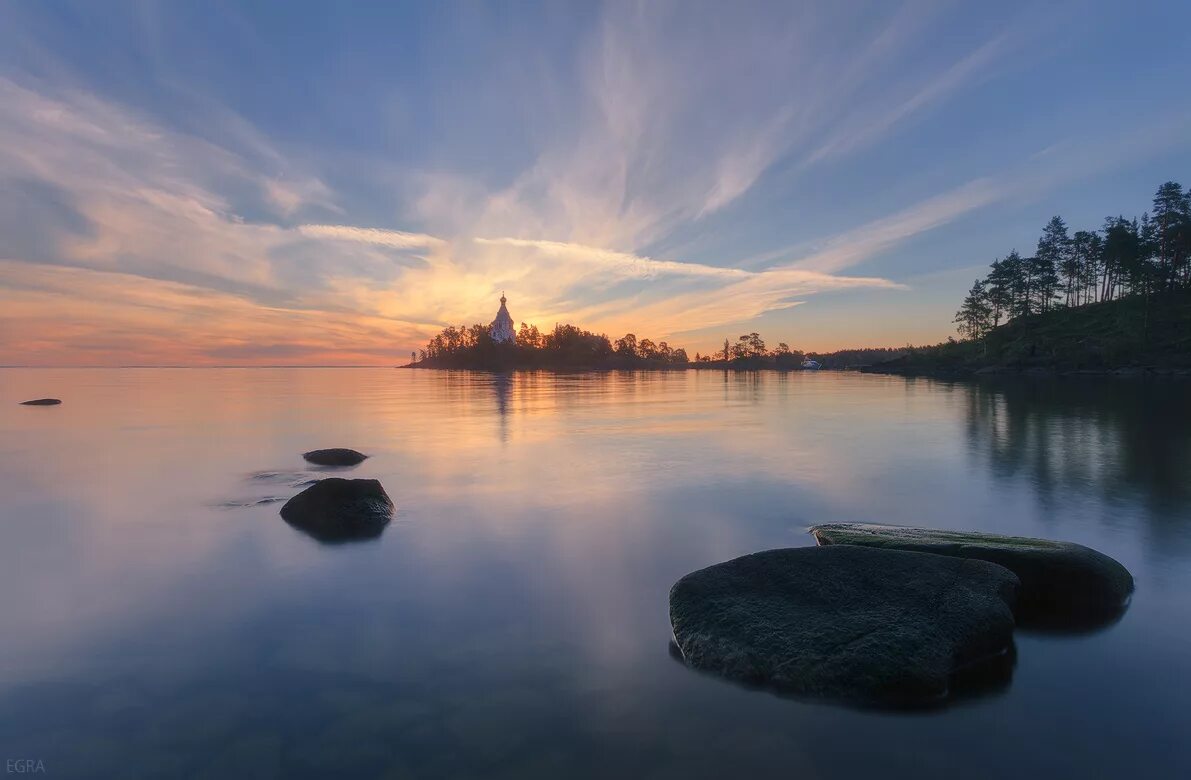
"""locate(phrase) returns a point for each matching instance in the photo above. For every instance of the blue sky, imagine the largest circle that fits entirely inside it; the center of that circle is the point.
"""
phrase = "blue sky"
(198, 182)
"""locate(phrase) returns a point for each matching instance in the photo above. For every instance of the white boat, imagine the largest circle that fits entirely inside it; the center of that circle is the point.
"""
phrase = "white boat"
(811, 365)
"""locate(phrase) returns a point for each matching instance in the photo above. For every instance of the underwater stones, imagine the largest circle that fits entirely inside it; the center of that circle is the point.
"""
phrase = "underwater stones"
(42, 402)
(339, 510)
(1061, 582)
(336, 456)
(844, 622)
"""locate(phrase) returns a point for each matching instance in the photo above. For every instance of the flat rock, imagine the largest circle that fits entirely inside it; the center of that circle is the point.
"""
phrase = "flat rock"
(42, 402)
(1060, 581)
(336, 456)
(844, 622)
(338, 510)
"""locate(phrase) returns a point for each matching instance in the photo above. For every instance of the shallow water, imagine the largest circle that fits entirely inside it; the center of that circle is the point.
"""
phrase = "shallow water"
(160, 619)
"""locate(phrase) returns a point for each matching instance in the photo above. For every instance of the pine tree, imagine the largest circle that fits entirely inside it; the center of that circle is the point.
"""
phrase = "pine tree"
(1017, 273)
(1121, 254)
(1053, 249)
(1086, 250)
(1145, 268)
(974, 317)
(1171, 226)
(999, 290)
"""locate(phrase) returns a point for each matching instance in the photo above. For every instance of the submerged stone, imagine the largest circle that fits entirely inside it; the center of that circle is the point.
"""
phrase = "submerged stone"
(1061, 582)
(42, 402)
(842, 622)
(338, 510)
(336, 456)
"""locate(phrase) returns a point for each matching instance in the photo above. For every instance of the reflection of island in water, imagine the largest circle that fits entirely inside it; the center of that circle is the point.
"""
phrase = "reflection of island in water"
(1124, 440)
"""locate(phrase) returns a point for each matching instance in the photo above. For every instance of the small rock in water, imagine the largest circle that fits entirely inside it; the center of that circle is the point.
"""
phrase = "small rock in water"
(336, 456)
(1063, 585)
(883, 627)
(339, 510)
(42, 402)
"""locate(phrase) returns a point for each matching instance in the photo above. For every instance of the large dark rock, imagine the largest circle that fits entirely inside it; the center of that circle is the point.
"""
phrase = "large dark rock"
(42, 402)
(1062, 584)
(853, 623)
(339, 510)
(336, 456)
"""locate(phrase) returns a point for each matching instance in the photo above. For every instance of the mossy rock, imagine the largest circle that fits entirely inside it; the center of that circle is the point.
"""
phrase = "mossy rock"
(869, 626)
(1062, 583)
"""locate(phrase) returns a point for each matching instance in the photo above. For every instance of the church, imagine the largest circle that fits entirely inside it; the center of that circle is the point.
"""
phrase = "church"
(501, 328)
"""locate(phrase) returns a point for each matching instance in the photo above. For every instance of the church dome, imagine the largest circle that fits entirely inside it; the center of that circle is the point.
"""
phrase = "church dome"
(501, 328)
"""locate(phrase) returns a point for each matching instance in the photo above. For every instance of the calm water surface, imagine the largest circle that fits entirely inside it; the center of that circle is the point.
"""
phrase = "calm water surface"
(160, 619)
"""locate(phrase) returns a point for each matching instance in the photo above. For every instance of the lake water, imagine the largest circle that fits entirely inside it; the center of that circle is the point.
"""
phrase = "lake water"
(160, 619)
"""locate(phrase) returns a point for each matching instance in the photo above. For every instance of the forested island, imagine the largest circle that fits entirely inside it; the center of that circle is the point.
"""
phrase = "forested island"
(565, 347)
(572, 348)
(1117, 299)
(569, 347)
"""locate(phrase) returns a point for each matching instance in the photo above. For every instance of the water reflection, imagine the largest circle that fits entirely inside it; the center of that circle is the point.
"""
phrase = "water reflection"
(512, 624)
(502, 385)
(990, 677)
(1073, 441)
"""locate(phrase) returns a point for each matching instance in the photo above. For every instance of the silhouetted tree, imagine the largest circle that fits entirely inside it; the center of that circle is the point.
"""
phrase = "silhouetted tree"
(974, 317)
(1001, 285)
(1086, 254)
(1053, 248)
(1171, 230)
(1125, 257)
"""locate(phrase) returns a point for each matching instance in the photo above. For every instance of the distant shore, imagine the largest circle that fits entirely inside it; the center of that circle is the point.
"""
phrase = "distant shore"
(719, 366)
(937, 372)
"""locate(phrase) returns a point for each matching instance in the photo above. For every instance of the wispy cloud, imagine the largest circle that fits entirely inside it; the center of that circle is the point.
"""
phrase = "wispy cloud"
(622, 264)
(868, 240)
(143, 231)
(868, 125)
(395, 239)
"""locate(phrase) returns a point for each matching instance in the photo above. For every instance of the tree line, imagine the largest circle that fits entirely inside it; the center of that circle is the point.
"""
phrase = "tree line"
(1125, 257)
(565, 345)
(750, 351)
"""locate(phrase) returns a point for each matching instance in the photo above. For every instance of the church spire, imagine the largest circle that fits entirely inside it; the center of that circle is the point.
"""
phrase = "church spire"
(501, 328)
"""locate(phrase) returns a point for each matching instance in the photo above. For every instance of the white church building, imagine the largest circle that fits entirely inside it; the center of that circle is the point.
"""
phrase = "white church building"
(501, 328)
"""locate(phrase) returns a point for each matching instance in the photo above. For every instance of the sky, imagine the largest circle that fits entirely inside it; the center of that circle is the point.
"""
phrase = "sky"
(210, 183)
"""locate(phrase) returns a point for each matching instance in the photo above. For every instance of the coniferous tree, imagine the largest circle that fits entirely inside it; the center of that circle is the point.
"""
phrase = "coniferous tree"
(1170, 225)
(1017, 270)
(1053, 248)
(1125, 258)
(1086, 251)
(974, 317)
(1145, 268)
(999, 292)
(1122, 255)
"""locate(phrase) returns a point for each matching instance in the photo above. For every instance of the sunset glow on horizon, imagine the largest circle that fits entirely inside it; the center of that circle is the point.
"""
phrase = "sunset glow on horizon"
(180, 186)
